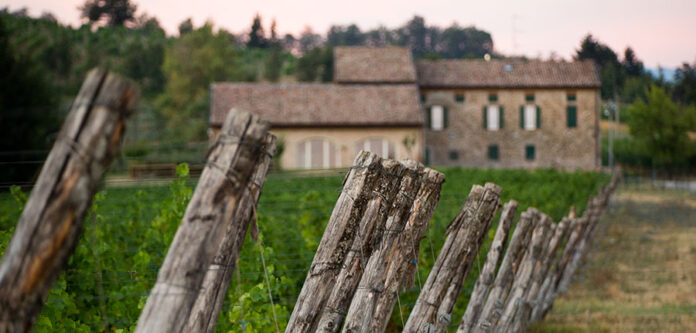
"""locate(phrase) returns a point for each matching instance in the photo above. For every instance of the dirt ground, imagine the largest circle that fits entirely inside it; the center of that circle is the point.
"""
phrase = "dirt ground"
(641, 273)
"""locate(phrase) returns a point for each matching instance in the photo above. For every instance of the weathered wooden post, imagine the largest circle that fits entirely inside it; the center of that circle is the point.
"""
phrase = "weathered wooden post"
(371, 229)
(524, 275)
(483, 284)
(465, 234)
(217, 279)
(519, 241)
(52, 220)
(217, 200)
(393, 262)
(335, 245)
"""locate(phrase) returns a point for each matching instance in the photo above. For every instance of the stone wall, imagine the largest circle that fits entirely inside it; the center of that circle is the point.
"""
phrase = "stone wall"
(556, 145)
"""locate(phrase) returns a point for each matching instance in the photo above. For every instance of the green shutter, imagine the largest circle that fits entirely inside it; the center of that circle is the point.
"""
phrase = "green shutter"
(572, 116)
(529, 152)
(538, 114)
(493, 152)
(428, 117)
(485, 117)
(445, 117)
(501, 117)
(522, 116)
(427, 155)
(459, 97)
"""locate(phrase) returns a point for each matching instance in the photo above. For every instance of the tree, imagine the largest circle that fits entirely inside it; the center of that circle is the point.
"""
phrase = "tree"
(28, 117)
(185, 27)
(309, 40)
(274, 64)
(685, 84)
(457, 42)
(631, 64)
(662, 127)
(415, 34)
(316, 64)
(117, 12)
(610, 69)
(256, 35)
(191, 64)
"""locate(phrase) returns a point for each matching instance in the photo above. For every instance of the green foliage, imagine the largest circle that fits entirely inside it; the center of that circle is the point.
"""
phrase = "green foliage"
(662, 127)
(191, 64)
(685, 84)
(316, 64)
(117, 12)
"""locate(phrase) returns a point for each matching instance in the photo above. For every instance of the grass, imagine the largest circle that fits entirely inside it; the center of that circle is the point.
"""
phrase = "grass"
(641, 274)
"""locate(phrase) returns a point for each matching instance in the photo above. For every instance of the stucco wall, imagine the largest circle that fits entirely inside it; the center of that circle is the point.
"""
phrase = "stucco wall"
(556, 145)
(345, 140)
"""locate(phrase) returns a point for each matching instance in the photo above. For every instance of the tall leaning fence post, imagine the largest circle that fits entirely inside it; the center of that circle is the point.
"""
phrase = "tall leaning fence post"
(207, 307)
(52, 220)
(216, 202)
(465, 235)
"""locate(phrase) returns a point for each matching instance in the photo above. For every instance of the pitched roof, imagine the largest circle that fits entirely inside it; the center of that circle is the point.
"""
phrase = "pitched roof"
(506, 74)
(317, 105)
(359, 64)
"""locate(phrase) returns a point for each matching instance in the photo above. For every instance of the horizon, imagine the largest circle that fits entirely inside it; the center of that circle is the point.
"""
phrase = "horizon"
(660, 35)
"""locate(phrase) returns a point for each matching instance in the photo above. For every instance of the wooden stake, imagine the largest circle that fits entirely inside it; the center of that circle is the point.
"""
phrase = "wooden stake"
(465, 235)
(207, 307)
(52, 220)
(224, 183)
(483, 284)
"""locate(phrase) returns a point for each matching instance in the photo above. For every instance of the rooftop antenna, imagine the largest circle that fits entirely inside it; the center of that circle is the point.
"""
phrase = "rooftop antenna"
(515, 45)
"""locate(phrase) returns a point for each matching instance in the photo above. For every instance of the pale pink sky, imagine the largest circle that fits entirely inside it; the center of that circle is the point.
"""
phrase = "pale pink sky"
(661, 32)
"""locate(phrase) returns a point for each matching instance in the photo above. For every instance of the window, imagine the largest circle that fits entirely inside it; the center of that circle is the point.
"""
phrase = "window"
(572, 116)
(459, 98)
(427, 155)
(530, 117)
(454, 155)
(437, 117)
(493, 152)
(529, 98)
(571, 97)
(316, 154)
(381, 147)
(493, 98)
(422, 98)
(493, 117)
(529, 152)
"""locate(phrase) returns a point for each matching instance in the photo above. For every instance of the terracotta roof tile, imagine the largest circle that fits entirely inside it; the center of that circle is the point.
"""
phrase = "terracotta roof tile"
(313, 104)
(358, 64)
(506, 74)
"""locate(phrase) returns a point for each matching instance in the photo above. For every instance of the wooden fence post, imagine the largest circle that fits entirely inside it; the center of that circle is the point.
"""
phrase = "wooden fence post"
(483, 284)
(465, 234)
(207, 307)
(338, 238)
(524, 275)
(216, 201)
(392, 264)
(369, 236)
(495, 301)
(52, 220)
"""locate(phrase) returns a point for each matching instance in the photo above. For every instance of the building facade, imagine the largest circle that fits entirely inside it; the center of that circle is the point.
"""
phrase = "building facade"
(511, 114)
(472, 113)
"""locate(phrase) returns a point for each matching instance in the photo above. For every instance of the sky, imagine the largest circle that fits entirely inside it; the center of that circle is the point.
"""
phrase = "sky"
(662, 33)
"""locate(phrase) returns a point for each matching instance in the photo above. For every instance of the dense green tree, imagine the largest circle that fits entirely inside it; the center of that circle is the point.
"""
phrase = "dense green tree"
(257, 37)
(685, 84)
(185, 26)
(316, 64)
(27, 111)
(611, 71)
(309, 40)
(191, 64)
(662, 127)
(274, 64)
(349, 36)
(631, 64)
(457, 42)
(117, 12)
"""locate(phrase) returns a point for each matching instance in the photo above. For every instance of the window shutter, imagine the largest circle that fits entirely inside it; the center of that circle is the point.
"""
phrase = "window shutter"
(538, 116)
(572, 116)
(485, 117)
(501, 117)
(522, 116)
(428, 117)
(445, 117)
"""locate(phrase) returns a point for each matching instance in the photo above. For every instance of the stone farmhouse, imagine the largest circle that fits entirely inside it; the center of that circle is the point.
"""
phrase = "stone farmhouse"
(474, 113)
